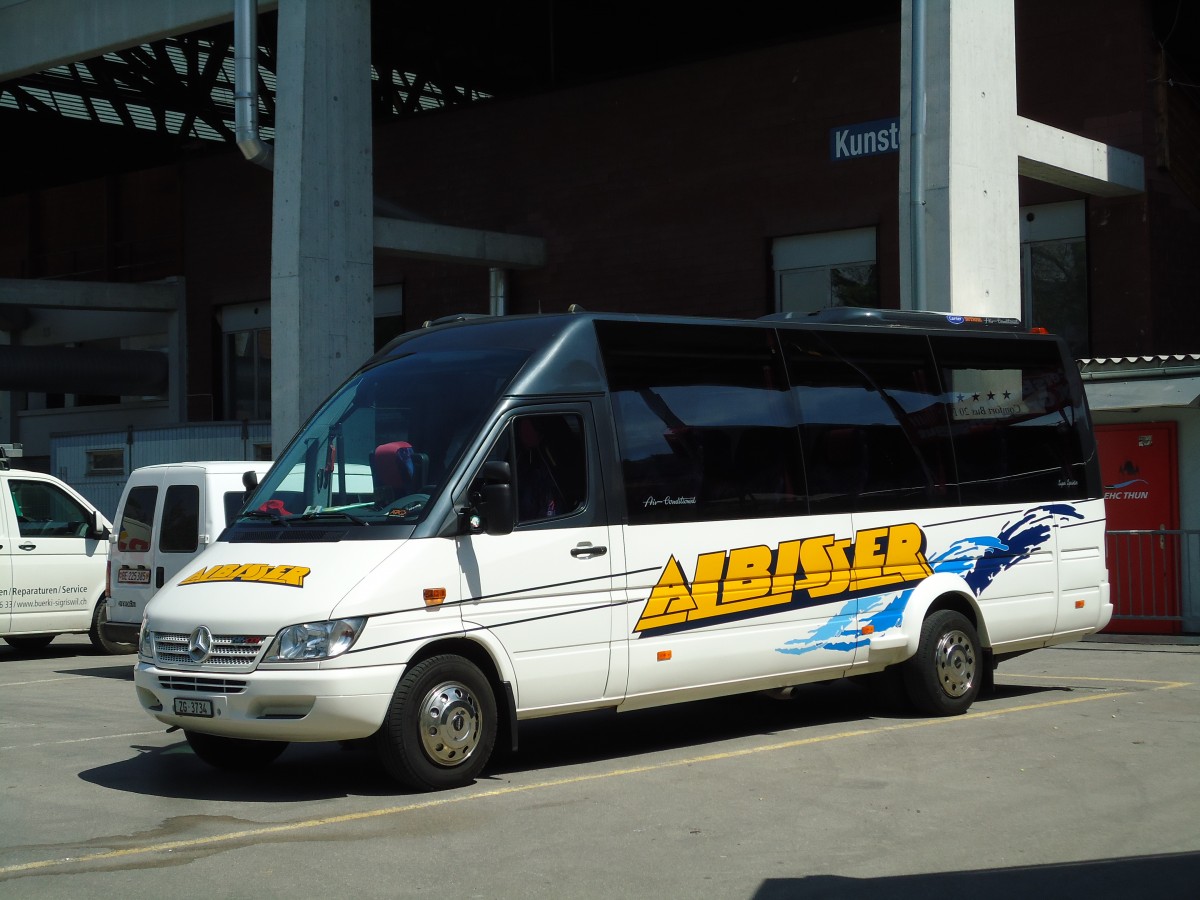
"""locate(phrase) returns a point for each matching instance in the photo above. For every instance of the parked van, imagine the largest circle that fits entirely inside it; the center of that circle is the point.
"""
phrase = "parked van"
(53, 554)
(167, 515)
(586, 511)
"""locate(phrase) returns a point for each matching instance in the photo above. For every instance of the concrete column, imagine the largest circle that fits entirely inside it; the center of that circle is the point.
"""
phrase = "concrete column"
(322, 273)
(971, 205)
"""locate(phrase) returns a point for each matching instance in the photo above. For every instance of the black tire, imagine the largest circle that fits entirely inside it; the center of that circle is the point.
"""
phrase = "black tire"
(96, 633)
(441, 726)
(31, 642)
(234, 754)
(944, 676)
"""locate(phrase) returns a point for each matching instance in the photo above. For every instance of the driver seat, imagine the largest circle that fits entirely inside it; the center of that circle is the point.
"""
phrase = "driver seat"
(396, 471)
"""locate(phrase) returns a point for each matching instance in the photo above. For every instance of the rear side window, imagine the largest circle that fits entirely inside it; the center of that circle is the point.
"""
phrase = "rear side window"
(137, 520)
(1019, 434)
(180, 520)
(705, 422)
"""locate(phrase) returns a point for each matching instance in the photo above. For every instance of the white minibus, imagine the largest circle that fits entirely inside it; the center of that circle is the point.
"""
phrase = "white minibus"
(584, 511)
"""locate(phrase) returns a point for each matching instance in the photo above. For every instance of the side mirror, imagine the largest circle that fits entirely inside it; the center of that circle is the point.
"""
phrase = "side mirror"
(97, 530)
(494, 511)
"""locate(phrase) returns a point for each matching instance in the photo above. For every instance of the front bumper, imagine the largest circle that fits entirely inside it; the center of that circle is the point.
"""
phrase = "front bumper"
(273, 705)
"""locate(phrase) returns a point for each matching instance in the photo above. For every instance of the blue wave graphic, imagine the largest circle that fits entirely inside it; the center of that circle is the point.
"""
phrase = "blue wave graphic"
(1125, 484)
(977, 560)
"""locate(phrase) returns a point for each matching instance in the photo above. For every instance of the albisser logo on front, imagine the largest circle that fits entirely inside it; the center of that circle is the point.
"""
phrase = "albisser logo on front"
(261, 573)
(798, 573)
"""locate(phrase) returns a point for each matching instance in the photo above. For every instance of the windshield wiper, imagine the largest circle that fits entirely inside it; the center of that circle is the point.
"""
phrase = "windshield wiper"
(267, 514)
(334, 514)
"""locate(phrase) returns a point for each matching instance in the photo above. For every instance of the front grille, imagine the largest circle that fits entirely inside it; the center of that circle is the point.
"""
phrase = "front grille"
(231, 650)
(201, 685)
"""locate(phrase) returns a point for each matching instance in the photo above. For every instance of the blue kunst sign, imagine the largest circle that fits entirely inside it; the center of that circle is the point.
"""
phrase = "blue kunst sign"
(864, 139)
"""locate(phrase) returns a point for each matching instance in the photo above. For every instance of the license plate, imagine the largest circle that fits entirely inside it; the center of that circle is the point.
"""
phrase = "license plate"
(185, 706)
(133, 576)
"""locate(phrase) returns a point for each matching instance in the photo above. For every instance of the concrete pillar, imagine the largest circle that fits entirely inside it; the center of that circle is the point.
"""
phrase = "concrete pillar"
(322, 273)
(971, 207)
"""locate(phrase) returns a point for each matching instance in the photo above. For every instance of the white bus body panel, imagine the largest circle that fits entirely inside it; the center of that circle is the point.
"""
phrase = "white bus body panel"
(713, 608)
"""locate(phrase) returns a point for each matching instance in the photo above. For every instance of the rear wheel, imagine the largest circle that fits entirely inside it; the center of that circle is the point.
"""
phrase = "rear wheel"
(441, 725)
(234, 754)
(944, 676)
(96, 632)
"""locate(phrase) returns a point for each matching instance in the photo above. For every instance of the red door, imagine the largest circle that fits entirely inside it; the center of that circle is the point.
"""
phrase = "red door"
(1141, 493)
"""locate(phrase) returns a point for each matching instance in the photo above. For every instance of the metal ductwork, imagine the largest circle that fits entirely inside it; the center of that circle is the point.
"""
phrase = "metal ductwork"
(79, 370)
(245, 90)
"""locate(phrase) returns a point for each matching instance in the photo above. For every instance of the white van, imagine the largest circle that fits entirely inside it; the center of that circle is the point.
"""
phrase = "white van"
(587, 511)
(167, 515)
(53, 554)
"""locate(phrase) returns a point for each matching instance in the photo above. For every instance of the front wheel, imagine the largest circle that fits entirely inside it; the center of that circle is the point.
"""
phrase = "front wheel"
(234, 754)
(944, 676)
(441, 725)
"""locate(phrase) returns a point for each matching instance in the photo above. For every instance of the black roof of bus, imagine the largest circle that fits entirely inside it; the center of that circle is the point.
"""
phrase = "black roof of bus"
(834, 315)
(908, 318)
(564, 355)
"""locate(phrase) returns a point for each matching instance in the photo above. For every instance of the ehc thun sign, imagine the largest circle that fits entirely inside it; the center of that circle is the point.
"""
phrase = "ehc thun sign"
(864, 139)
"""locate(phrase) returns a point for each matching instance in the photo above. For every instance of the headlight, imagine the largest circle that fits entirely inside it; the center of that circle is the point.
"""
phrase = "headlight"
(146, 642)
(314, 640)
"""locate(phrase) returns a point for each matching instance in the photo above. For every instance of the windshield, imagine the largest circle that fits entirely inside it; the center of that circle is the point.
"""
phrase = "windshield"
(382, 447)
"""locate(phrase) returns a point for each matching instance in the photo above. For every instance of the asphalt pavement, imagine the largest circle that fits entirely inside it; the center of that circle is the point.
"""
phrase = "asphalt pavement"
(1078, 776)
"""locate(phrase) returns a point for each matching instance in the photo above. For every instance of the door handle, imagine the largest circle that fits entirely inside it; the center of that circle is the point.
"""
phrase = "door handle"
(587, 551)
(27, 546)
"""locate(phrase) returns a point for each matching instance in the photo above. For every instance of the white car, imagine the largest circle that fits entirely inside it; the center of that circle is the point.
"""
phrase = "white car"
(53, 557)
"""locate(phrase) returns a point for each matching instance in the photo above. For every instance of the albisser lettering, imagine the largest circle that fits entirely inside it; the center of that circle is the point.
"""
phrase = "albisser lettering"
(802, 572)
(290, 576)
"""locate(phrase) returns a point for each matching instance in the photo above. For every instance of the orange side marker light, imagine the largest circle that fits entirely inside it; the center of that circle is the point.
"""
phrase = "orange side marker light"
(664, 655)
(434, 596)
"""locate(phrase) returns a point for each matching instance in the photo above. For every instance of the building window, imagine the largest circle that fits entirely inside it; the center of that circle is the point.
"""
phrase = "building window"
(813, 271)
(1054, 272)
(246, 361)
(248, 374)
(106, 462)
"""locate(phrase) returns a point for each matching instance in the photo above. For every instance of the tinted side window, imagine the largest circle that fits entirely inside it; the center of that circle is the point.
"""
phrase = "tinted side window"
(181, 519)
(45, 511)
(1019, 433)
(705, 423)
(137, 519)
(874, 420)
(547, 454)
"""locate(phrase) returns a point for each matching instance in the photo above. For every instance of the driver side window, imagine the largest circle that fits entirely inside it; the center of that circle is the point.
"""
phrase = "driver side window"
(547, 455)
(45, 511)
